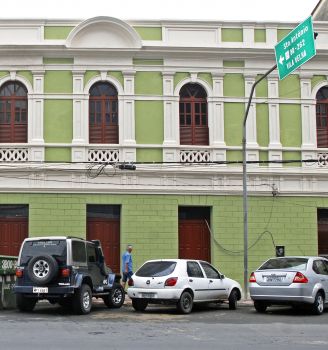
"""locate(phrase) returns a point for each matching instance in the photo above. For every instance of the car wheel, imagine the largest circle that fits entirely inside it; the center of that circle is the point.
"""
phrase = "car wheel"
(139, 304)
(115, 298)
(42, 269)
(82, 301)
(25, 304)
(233, 299)
(185, 303)
(260, 306)
(318, 305)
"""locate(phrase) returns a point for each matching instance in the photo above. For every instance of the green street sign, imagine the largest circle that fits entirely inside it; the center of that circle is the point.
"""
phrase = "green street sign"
(295, 48)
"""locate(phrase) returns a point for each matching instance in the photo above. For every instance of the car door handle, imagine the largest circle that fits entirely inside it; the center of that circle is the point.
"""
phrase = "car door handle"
(322, 280)
(211, 281)
(191, 280)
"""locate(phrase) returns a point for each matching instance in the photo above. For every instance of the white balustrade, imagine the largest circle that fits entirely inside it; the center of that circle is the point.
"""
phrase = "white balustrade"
(194, 156)
(103, 155)
(15, 154)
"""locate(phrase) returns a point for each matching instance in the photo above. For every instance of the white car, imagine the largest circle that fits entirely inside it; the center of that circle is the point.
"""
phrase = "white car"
(181, 282)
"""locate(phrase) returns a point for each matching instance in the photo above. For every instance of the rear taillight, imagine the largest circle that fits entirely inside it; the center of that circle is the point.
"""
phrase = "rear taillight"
(300, 278)
(130, 282)
(65, 272)
(171, 282)
(19, 273)
(252, 278)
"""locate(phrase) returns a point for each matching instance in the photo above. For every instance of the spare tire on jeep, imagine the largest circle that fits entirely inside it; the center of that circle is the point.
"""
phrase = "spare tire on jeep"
(42, 269)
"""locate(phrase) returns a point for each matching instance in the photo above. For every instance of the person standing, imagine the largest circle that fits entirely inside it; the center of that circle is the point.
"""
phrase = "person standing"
(127, 265)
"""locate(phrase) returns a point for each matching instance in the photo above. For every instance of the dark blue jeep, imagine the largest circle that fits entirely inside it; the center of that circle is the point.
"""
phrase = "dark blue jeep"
(65, 270)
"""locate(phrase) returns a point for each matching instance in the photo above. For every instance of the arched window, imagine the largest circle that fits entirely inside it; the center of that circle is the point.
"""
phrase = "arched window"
(322, 117)
(13, 113)
(193, 115)
(103, 113)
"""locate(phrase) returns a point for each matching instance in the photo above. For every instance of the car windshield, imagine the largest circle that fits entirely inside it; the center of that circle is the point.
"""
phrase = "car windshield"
(55, 248)
(156, 269)
(285, 264)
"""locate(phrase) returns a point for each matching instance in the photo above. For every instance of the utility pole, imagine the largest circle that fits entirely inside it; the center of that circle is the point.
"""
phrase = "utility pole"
(245, 203)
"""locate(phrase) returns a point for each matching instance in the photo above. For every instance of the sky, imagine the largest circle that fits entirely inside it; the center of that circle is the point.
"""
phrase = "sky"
(253, 10)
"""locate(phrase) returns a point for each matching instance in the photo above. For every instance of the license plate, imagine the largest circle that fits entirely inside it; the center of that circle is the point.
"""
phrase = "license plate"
(148, 295)
(40, 290)
(274, 279)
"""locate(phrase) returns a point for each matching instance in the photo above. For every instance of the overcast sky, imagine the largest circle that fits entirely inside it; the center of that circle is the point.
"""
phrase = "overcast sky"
(260, 10)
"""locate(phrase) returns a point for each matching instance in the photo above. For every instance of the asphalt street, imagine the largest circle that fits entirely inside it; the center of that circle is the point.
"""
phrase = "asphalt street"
(213, 327)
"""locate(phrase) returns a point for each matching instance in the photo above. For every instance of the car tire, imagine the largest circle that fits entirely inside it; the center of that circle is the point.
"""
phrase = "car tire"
(115, 299)
(25, 304)
(233, 299)
(185, 303)
(42, 269)
(319, 304)
(139, 304)
(82, 300)
(260, 306)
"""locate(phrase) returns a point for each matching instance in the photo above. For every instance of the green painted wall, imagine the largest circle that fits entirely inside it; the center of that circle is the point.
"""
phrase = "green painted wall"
(317, 79)
(290, 87)
(88, 75)
(263, 157)
(150, 223)
(234, 156)
(234, 85)
(290, 125)
(149, 119)
(232, 34)
(149, 33)
(58, 121)
(179, 77)
(117, 75)
(56, 32)
(149, 155)
(58, 82)
(291, 155)
(261, 89)
(233, 121)
(57, 154)
(27, 75)
(147, 62)
(206, 77)
(233, 64)
(262, 124)
(260, 35)
(58, 60)
(149, 83)
(281, 33)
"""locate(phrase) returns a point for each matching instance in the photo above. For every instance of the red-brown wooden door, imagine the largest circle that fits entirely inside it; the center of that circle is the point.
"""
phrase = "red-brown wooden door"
(12, 233)
(194, 240)
(108, 232)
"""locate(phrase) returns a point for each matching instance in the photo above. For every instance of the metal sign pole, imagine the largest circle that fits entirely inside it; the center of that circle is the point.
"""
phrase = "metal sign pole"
(245, 204)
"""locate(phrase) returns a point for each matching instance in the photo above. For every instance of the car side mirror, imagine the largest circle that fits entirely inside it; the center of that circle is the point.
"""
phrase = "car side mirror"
(222, 277)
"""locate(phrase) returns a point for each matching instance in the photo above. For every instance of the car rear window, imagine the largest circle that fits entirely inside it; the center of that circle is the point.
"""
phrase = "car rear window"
(55, 248)
(156, 269)
(285, 264)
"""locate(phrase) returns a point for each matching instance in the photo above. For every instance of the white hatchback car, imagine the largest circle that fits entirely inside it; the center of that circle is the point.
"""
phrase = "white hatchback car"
(181, 282)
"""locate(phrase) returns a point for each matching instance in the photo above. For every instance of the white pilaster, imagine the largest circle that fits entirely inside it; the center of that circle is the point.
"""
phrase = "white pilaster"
(271, 35)
(275, 148)
(127, 118)
(248, 35)
(171, 113)
(35, 115)
(308, 120)
(80, 118)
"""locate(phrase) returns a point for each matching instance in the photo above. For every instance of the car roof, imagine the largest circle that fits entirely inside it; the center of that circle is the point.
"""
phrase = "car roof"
(52, 238)
(176, 260)
(299, 257)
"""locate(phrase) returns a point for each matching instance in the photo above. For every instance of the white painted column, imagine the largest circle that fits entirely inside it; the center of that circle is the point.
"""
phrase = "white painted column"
(271, 35)
(248, 35)
(35, 115)
(80, 118)
(308, 108)
(252, 153)
(127, 119)
(171, 122)
(216, 118)
(275, 148)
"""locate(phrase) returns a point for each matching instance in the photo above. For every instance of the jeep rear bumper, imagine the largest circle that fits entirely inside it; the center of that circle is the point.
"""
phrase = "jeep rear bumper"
(54, 291)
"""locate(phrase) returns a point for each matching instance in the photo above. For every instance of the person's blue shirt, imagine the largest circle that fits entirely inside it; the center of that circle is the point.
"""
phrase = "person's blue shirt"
(127, 259)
